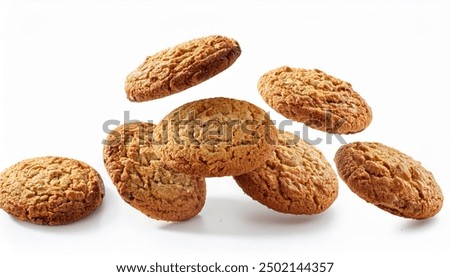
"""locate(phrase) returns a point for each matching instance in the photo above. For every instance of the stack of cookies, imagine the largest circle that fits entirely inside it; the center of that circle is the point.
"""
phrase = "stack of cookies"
(228, 137)
(161, 169)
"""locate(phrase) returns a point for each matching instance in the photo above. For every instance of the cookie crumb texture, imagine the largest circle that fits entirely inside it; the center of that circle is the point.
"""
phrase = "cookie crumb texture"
(50, 190)
(315, 98)
(389, 179)
(144, 181)
(180, 67)
(215, 137)
(296, 179)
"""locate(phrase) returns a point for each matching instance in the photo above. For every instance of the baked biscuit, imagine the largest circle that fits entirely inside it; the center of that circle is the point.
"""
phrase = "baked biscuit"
(50, 190)
(215, 137)
(181, 67)
(144, 181)
(389, 179)
(296, 179)
(316, 99)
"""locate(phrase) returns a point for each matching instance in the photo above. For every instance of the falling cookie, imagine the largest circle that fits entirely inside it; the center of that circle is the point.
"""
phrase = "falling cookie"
(389, 179)
(181, 67)
(315, 98)
(296, 179)
(215, 137)
(50, 190)
(144, 181)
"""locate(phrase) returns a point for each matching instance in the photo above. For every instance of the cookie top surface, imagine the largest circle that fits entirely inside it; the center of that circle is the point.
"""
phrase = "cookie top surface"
(389, 179)
(215, 137)
(296, 179)
(181, 67)
(50, 190)
(144, 181)
(315, 98)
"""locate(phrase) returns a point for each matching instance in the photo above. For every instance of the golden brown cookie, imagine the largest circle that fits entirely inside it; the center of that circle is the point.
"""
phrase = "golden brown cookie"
(389, 179)
(215, 137)
(50, 190)
(296, 179)
(316, 99)
(144, 181)
(181, 67)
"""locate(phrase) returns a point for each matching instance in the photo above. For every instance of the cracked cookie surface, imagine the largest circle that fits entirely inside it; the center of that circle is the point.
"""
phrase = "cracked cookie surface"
(315, 98)
(296, 179)
(181, 67)
(50, 190)
(215, 137)
(144, 181)
(389, 179)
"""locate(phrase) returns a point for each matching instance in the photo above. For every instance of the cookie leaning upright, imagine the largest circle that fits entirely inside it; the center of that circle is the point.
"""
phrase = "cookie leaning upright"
(144, 181)
(389, 179)
(181, 67)
(315, 98)
(50, 190)
(215, 137)
(296, 179)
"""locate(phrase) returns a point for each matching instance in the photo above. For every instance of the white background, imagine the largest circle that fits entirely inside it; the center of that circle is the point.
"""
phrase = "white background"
(63, 66)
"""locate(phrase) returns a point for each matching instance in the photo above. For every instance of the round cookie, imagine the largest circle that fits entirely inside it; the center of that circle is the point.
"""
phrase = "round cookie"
(389, 179)
(144, 181)
(215, 137)
(315, 98)
(50, 190)
(296, 179)
(181, 67)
